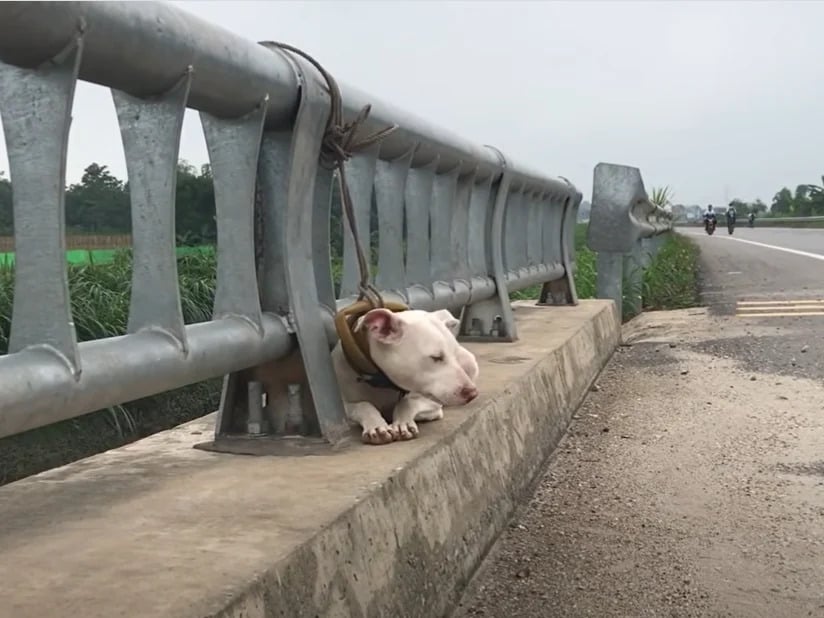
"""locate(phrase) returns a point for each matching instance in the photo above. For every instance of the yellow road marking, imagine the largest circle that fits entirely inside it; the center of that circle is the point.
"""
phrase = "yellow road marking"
(789, 314)
(742, 303)
(783, 308)
(779, 308)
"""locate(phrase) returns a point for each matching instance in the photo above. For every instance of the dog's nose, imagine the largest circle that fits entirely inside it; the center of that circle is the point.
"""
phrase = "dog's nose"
(468, 393)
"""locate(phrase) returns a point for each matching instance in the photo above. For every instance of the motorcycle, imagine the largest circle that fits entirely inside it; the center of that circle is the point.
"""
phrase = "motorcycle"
(709, 226)
(751, 221)
(730, 226)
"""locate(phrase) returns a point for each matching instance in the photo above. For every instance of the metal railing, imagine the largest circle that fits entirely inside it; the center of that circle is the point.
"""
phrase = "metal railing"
(626, 230)
(475, 226)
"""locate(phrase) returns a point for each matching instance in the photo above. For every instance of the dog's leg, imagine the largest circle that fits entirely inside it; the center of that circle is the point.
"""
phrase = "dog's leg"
(435, 413)
(374, 428)
(414, 408)
(403, 417)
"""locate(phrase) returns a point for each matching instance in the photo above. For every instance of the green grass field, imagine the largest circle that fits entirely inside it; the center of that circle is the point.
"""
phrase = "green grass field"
(670, 282)
(101, 256)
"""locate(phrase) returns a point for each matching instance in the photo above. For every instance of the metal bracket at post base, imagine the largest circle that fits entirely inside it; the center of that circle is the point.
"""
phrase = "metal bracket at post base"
(269, 411)
(484, 322)
(557, 293)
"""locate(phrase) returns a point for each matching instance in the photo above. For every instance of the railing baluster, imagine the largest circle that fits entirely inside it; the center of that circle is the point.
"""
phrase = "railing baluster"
(533, 235)
(36, 107)
(419, 189)
(460, 280)
(390, 188)
(234, 145)
(568, 223)
(543, 223)
(459, 228)
(556, 225)
(150, 130)
(440, 223)
(273, 180)
(322, 405)
(492, 319)
(360, 174)
(522, 228)
(511, 228)
(321, 246)
(547, 233)
(480, 208)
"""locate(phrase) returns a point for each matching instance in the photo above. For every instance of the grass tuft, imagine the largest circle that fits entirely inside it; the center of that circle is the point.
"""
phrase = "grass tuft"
(670, 282)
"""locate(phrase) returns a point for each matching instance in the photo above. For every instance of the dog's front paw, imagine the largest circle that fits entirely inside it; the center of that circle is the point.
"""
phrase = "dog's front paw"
(406, 430)
(382, 434)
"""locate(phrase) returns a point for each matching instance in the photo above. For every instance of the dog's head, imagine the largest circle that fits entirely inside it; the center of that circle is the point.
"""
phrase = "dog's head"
(418, 351)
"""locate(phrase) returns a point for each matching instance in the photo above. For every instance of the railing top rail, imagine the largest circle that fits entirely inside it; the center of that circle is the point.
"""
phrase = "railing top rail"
(143, 48)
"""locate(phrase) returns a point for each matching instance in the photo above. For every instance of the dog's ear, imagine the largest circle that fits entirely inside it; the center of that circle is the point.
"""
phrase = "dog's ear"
(449, 320)
(382, 325)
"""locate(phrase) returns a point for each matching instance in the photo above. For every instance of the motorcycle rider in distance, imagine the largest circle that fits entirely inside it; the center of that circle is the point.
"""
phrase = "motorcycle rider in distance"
(709, 215)
(730, 216)
(751, 218)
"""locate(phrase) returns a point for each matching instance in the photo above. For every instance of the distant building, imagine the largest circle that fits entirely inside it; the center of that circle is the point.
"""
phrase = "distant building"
(687, 213)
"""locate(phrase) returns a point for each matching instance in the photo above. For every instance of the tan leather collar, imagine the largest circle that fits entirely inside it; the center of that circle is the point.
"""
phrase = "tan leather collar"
(356, 344)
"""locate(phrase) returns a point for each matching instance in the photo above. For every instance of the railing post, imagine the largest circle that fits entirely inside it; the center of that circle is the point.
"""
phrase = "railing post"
(297, 395)
(634, 268)
(624, 230)
(492, 319)
(562, 291)
(609, 283)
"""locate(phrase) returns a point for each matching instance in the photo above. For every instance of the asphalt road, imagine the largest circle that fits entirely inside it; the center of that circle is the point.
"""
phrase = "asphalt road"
(767, 264)
(795, 239)
(691, 481)
(773, 294)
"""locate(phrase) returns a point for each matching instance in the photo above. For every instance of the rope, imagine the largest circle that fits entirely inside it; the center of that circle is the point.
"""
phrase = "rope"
(338, 145)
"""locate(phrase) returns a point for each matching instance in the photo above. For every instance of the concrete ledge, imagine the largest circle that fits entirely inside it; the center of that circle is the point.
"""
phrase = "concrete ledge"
(159, 529)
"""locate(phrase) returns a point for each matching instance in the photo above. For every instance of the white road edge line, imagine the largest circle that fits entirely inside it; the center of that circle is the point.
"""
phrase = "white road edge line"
(815, 256)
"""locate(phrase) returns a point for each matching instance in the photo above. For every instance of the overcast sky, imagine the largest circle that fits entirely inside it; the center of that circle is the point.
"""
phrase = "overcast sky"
(716, 99)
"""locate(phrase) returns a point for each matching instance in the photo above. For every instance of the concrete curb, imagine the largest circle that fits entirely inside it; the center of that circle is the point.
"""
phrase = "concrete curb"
(373, 531)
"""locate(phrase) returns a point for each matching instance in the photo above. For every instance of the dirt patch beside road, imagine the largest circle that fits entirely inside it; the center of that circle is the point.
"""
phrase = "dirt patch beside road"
(689, 484)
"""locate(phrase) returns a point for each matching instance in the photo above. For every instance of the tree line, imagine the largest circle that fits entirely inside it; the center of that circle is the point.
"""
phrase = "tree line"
(806, 201)
(99, 204)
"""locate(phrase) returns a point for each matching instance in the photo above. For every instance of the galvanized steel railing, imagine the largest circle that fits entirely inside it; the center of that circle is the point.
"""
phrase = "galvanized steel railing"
(625, 229)
(477, 227)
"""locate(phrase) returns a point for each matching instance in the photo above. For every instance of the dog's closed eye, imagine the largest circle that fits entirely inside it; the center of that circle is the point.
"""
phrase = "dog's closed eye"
(438, 358)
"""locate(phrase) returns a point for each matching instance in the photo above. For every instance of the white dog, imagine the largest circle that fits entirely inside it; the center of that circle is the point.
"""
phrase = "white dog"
(418, 352)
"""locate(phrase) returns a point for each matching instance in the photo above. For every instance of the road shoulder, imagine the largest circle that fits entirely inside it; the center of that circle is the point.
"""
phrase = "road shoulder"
(689, 484)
